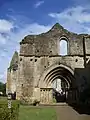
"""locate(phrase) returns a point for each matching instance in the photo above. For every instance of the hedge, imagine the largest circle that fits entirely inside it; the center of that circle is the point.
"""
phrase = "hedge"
(9, 114)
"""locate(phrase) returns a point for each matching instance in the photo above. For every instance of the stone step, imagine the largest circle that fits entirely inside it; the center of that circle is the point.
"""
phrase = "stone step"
(54, 104)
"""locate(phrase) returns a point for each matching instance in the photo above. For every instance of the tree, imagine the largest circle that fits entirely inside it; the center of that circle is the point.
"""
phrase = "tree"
(3, 88)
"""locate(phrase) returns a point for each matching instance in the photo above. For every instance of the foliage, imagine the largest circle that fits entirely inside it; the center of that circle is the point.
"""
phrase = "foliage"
(6, 113)
(54, 100)
(37, 113)
(58, 25)
(3, 88)
(36, 102)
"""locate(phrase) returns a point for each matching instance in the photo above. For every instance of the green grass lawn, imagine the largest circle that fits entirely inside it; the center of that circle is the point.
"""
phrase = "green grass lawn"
(37, 113)
(27, 112)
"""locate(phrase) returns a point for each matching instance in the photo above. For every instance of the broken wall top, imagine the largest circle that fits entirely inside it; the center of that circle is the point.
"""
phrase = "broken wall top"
(49, 43)
(14, 62)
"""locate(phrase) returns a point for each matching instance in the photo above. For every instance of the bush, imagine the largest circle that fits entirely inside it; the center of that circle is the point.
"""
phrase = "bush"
(54, 100)
(9, 114)
(3, 88)
(36, 102)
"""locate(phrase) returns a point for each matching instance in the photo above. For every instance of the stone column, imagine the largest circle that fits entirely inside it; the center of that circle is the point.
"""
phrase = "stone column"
(36, 94)
(47, 95)
(50, 96)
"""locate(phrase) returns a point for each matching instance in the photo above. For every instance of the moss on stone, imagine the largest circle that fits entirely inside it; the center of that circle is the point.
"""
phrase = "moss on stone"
(58, 25)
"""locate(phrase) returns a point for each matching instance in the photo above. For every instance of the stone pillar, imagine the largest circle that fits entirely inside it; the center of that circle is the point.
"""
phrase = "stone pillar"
(47, 95)
(50, 96)
(44, 95)
(41, 96)
(36, 94)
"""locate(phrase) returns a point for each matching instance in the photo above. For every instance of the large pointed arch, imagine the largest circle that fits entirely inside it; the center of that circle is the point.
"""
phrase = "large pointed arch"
(60, 71)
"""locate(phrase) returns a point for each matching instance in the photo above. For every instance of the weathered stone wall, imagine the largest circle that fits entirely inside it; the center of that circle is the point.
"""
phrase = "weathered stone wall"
(8, 84)
(25, 78)
(38, 53)
(87, 45)
(48, 43)
(12, 77)
(12, 74)
(43, 63)
(32, 68)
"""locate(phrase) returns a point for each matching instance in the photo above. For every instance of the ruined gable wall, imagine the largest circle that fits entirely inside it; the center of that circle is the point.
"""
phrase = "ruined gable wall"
(48, 43)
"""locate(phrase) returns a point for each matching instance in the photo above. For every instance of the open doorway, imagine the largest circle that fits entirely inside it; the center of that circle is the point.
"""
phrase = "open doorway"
(60, 90)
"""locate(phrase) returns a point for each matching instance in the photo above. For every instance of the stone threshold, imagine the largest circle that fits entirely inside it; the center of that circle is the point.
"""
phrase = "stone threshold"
(53, 104)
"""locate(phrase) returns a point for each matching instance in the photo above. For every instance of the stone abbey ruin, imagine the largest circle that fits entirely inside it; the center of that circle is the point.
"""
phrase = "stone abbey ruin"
(33, 71)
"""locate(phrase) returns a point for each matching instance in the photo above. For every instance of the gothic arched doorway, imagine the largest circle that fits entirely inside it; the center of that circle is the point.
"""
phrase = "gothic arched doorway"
(63, 73)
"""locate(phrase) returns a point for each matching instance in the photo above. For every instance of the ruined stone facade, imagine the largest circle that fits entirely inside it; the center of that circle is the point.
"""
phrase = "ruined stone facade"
(39, 63)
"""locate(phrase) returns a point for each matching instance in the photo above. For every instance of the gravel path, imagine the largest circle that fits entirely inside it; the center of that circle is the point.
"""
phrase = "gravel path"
(65, 112)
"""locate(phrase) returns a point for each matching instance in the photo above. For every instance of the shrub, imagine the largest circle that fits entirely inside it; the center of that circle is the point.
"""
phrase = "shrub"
(54, 100)
(36, 102)
(9, 114)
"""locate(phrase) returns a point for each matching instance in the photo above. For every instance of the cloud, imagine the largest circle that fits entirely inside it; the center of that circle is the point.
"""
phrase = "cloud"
(76, 14)
(35, 28)
(3, 76)
(39, 3)
(74, 19)
(5, 25)
(5, 28)
(9, 42)
(2, 39)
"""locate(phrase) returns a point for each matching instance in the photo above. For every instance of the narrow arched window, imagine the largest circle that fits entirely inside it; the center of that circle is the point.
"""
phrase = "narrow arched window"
(63, 47)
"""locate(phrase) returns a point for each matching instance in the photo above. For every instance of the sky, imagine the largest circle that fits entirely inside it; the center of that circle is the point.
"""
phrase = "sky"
(19, 18)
